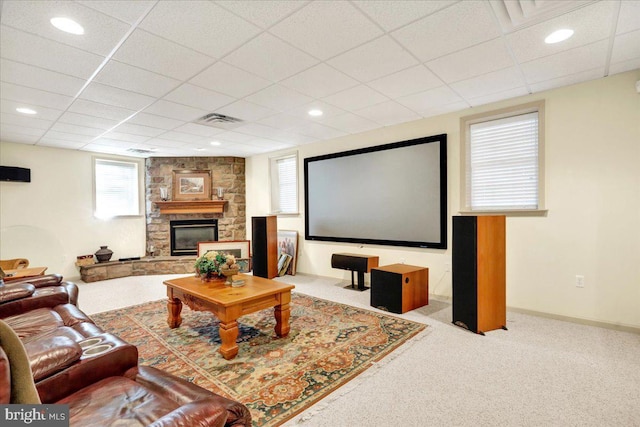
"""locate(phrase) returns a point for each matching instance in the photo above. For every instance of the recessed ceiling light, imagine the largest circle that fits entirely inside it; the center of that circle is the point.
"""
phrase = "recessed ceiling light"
(216, 143)
(558, 36)
(67, 25)
(199, 149)
(315, 113)
(24, 110)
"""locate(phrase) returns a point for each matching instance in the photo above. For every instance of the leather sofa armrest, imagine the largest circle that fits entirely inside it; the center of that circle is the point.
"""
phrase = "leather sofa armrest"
(51, 354)
(201, 413)
(40, 281)
(13, 292)
(48, 297)
(183, 392)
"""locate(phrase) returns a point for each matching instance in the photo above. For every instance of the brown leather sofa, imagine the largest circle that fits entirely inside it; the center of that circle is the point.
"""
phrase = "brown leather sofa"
(74, 361)
(49, 290)
(144, 397)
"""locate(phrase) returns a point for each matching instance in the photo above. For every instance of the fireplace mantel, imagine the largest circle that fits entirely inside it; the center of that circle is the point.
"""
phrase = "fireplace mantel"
(191, 206)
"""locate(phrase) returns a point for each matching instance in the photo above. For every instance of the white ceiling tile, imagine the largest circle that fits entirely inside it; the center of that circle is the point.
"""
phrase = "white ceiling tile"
(6, 129)
(350, 123)
(443, 109)
(150, 52)
(326, 28)
(80, 130)
(9, 106)
(320, 81)
(278, 97)
(127, 137)
(246, 111)
(457, 27)
(155, 121)
(135, 79)
(102, 32)
(406, 82)
(391, 14)
(328, 110)
(567, 80)
(284, 121)
(38, 78)
(355, 98)
(231, 136)
(229, 80)
(621, 67)
(124, 10)
(590, 23)
(134, 129)
(175, 111)
(26, 121)
(200, 130)
(37, 51)
(108, 142)
(318, 131)
(430, 99)
(388, 113)
(19, 138)
(629, 16)
(474, 61)
(34, 97)
(180, 136)
(498, 96)
(96, 109)
(161, 142)
(484, 85)
(569, 62)
(110, 95)
(270, 58)
(60, 143)
(198, 97)
(88, 121)
(373, 60)
(64, 136)
(190, 24)
(626, 47)
(262, 13)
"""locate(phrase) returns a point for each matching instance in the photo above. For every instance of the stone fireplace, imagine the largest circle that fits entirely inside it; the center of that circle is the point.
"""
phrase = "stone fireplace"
(226, 172)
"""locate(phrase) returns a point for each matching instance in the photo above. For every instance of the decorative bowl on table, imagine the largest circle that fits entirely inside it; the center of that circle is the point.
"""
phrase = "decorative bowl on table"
(229, 273)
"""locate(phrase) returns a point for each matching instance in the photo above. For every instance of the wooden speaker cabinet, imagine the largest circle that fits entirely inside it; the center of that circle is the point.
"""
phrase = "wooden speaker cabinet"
(399, 288)
(264, 231)
(479, 273)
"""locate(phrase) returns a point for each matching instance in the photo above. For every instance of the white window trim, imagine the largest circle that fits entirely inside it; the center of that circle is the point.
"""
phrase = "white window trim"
(141, 188)
(465, 122)
(273, 184)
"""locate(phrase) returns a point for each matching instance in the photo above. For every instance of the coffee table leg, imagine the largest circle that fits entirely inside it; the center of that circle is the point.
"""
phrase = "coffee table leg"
(174, 307)
(228, 334)
(282, 313)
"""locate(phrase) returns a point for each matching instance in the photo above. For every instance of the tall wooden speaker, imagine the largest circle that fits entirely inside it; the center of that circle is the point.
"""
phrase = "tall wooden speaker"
(264, 231)
(479, 273)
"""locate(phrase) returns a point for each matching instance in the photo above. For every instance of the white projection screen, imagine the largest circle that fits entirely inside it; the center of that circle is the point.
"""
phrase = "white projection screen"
(392, 194)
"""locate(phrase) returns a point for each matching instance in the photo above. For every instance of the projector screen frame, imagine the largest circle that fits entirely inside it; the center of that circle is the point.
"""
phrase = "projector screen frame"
(440, 243)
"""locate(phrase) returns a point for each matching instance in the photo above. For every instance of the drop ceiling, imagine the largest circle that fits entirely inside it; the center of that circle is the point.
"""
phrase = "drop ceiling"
(143, 75)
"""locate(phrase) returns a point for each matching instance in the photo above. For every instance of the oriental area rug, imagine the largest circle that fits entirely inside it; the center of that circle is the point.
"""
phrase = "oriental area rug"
(276, 378)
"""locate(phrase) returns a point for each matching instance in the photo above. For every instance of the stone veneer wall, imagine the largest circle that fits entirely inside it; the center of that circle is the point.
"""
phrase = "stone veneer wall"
(226, 172)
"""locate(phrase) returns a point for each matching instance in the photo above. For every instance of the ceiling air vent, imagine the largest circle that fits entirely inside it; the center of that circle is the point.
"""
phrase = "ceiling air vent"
(219, 121)
(139, 151)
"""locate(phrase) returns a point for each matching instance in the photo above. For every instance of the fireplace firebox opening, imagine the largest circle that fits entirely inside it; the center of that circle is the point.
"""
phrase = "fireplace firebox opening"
(185, 235)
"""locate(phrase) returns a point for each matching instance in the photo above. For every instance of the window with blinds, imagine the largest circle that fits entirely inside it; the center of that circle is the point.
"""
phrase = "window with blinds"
(116, 186)
(502, 170)
(284, 184)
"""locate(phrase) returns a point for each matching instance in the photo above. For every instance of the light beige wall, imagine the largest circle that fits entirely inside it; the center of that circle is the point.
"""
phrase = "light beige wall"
(593, 197)
(50, 220)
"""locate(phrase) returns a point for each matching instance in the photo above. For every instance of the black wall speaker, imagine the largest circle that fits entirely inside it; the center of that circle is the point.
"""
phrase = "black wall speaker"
(12, 173)
(264, 233)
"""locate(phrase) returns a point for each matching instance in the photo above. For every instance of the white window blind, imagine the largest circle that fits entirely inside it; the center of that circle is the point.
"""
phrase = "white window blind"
(284, 184)
(502, 165)
(116, 188)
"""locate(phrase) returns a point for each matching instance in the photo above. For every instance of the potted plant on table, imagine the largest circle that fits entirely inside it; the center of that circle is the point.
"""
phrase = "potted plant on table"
(214, 265)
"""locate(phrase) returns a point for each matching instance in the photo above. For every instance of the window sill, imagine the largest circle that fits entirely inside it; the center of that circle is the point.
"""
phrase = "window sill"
(524, 212)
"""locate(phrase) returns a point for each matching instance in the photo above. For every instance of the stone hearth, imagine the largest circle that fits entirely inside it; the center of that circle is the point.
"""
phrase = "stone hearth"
(142, 267)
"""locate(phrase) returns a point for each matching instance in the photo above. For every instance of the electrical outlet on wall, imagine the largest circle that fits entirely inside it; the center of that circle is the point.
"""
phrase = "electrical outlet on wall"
(579, 281)
(447, 267)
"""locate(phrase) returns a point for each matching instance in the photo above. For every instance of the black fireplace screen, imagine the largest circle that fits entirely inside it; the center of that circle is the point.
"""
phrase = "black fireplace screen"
(185, 235)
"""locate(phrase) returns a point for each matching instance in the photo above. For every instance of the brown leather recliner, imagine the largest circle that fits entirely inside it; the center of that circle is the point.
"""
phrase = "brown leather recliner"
(146, 396)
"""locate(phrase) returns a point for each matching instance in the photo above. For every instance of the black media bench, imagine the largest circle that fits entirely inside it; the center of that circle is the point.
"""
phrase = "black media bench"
(355, 262)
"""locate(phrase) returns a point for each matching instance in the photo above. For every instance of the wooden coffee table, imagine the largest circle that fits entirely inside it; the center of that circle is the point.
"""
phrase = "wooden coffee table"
(229, 303)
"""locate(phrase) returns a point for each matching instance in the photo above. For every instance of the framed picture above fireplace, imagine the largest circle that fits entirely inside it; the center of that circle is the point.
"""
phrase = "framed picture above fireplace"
(237, 248)
(191, 185)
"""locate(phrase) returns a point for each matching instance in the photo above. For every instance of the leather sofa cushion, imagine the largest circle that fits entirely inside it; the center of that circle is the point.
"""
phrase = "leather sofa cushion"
(116, 400)
(34, 322)
(14, 292)
(51, 354)
(5, 378)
